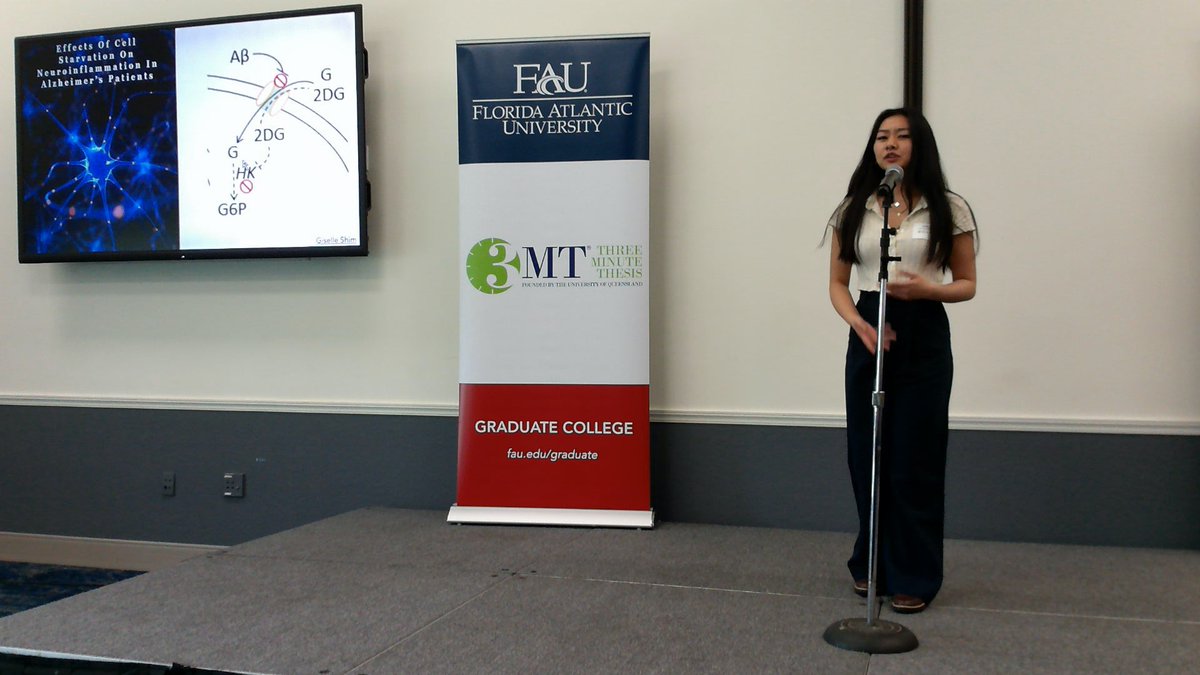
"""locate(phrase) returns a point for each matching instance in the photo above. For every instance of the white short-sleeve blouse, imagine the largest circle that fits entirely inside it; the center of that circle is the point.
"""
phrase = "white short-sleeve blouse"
(910, 243)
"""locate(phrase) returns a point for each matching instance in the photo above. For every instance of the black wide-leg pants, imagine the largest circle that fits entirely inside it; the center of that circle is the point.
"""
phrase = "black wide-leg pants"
(917, 375)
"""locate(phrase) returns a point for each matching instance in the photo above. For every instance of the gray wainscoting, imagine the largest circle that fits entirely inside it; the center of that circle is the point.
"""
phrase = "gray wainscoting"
(97, 472)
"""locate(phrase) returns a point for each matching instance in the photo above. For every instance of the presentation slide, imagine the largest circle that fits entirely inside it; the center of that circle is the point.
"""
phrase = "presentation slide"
(268, 133)
(239, 135)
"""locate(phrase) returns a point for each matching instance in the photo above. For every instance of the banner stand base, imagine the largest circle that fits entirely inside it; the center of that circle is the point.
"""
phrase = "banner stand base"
(501, 515)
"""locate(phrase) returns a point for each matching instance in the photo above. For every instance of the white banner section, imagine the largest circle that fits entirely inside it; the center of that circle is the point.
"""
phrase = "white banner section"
(575, 301)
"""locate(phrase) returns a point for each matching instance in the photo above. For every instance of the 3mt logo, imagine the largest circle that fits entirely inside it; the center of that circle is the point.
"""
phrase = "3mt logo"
(494, 264)
(491, 266)
(548, 81)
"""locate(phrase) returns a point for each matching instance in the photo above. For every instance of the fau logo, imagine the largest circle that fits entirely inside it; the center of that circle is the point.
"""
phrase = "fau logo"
(548, 82)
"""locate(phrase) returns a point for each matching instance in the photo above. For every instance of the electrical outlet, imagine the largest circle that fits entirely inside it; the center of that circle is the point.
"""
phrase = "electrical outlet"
(235, 485)
(168, 484)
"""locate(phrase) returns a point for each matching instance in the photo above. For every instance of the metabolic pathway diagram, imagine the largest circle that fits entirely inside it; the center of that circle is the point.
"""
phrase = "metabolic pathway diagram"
(284, 107)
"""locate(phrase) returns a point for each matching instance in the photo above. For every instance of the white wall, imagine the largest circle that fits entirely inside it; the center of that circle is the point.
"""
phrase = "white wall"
(1074, 128)
(1067, 130)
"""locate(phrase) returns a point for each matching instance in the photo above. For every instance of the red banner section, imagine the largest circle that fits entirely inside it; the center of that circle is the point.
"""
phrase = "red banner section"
(574, 446)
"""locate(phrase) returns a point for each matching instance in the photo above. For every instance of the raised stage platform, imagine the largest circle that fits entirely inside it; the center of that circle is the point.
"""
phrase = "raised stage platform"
(381, 591)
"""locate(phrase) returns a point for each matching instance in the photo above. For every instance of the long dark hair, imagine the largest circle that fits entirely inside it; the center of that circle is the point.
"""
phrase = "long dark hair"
(924, 173)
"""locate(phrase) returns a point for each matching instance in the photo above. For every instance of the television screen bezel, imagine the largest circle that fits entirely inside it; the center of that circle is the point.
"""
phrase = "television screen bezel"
(26, 255)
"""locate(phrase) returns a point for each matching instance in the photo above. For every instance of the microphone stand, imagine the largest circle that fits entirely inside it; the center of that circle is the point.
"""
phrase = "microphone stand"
(875, 636)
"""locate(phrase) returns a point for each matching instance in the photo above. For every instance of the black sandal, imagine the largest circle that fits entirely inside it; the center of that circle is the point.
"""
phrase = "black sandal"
(908, 604)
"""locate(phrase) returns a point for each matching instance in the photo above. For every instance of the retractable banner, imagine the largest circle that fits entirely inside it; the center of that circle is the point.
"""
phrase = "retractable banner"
(554, 213)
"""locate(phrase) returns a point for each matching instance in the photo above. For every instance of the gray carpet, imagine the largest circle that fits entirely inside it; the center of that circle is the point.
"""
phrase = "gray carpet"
(380, 591)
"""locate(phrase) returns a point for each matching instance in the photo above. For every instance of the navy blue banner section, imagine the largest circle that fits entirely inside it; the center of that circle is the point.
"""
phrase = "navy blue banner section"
(554, 101)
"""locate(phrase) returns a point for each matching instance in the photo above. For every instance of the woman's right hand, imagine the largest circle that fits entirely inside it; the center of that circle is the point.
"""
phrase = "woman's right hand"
(866, 332)
(843, 303)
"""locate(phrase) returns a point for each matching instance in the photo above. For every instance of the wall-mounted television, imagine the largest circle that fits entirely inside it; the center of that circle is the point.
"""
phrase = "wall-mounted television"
(234, 137)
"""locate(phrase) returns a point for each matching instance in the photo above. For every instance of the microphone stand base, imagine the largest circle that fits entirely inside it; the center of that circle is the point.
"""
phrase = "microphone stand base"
(880, 637)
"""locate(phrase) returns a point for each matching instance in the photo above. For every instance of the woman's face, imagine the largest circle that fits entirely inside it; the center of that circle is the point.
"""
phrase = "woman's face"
(893, 144)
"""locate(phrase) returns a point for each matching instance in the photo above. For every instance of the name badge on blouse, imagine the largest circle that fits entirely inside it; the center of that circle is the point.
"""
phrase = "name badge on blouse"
(921, 231)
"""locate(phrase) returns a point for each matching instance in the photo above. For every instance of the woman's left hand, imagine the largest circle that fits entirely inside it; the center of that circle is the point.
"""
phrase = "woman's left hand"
(910, 286)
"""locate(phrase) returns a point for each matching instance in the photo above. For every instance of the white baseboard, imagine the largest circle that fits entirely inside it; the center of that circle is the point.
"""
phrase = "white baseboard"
(500, 515)
(117, 554)
(1093, 425)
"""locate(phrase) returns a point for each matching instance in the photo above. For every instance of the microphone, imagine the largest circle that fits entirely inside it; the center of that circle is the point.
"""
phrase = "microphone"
(891, 178)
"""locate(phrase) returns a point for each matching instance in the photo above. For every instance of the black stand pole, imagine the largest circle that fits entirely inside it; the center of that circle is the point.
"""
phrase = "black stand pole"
(874, 635)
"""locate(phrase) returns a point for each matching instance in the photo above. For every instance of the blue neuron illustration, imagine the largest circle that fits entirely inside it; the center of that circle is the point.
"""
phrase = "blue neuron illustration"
(98, 169)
